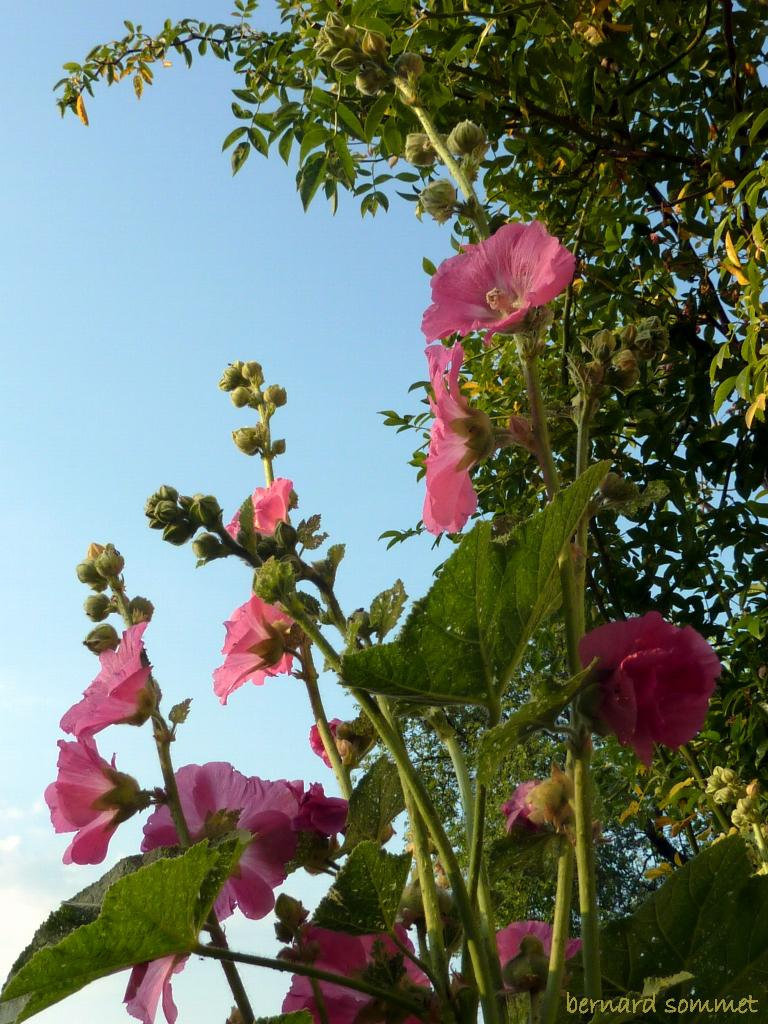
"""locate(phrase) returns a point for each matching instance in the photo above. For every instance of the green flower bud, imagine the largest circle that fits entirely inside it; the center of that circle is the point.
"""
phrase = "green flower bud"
(438, 199)
(347, 60)
(102, 638)
(651, 337)
(550, 801)
(179, 533)
(375, 45)
(87, 573)
(249, 439)
(276, 395)
(285, 536)
(371, 79)
(97, 607)
(207, 547)
(528, 971)
(110, 562)
(418, 150)
(165, 512)
(602, 344)
(274, 581)
(278, 447)
(232, 377)
(140, 609)
(253, 372)
(205, 511)
(616, 490)
(166, 493)
(290, 913)
(409, 64)
(241, 396)
(467, 139)
(628, 335)
(625, 372)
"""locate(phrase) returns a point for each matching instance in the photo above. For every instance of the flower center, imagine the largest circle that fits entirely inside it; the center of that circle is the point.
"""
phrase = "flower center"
(272, 648)
(502, 302)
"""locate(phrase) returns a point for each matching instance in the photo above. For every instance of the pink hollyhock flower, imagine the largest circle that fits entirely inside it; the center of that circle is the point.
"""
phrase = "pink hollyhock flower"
(215, 799)
(655, 680)
(349, 955)
(517, 809)
(270, 507)
(91, 798)
(509, 939)
(317, 812)
(492, 285)
(316, 742)
(119, 693)
(254, 647)
(149, 983)
(460, 438)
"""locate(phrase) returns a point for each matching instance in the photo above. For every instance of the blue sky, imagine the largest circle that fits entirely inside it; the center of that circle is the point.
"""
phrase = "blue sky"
(135, 269)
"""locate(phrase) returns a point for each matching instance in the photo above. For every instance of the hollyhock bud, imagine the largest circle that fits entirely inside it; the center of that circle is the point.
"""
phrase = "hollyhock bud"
(375, 45)
(205, 511)
(232, 377)
(625, 372)
(460, 438)
(419, 150)
(517, 810)
(249, 440)
(214, 798)
(87, 573)
(207, 547)
(550, 800)
(291, 914)
(254, 648)
(110, 562)
(409, 65)
(102, 638)
(241, 397)
(493, 285)
(316, 740)
(179, 533)
(276, 395)
(372, 78)
(725, 786)
(141, 610)
(97, 607)
(149, 985)
(91, 798)
(438, 199)
(524, 948)
(120, 693)
(467, 139)
(655, 680)
(616, 490)
(253, 373)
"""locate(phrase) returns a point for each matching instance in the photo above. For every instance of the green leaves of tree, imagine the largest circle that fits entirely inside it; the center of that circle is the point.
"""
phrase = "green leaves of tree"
(367, 891)
(377, 799)
(709, 919)
(157, 911)
(463, 641)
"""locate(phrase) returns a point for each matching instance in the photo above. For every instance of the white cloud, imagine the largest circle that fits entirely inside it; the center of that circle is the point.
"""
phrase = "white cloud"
(9, 843)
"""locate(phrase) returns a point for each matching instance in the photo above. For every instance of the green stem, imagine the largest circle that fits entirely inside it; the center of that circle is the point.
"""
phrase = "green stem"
(760, 842)
(388, 995)
(340, 770)
(585, 863)
(561, 927)
(539, 423)
(717, 812)
(266, 458)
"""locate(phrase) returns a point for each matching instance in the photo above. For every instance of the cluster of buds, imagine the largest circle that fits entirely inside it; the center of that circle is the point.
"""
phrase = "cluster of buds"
(180, 516)
(100, 570)
(245, 384)
(466, 141)
(349, 50)
(618, 355)
(725, 786)
(746, 815)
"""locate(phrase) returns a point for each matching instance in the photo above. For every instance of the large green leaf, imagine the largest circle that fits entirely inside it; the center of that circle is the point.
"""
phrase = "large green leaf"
(710, 919)
(376, 800)
(463, 641)
(300, 1017)
(156, 911)
(366, 894)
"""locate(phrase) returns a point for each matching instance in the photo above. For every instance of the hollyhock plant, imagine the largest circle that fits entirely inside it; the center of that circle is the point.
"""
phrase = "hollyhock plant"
(493, 285)
(349, 955)
(460, 438)
(254, 648)
(270, 507)
(509, 940)
(91, 798)
(120, 693)
(316, 741)
(655, 680)
(517, 809)
(215, 799)
(149, 984)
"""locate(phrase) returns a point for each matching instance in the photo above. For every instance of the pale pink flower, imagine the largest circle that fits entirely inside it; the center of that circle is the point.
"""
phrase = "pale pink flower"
(349, 955)
(493, 285)
(91, 798)
(517, 809)
(148, 984)
(254, 648)
(215, 799)
(120, 692)
(316, 741)
(270, 507)
(460, 438)
(508, 940)
(655, 680)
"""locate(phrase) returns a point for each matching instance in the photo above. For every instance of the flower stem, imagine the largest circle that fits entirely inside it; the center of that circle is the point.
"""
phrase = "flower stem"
(297, 967)
(266, 457)
(585, 863)
(340, 770)
(561, 926)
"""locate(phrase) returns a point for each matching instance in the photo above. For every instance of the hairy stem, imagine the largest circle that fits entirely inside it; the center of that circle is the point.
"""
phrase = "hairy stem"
(561, 926)
(340, 770)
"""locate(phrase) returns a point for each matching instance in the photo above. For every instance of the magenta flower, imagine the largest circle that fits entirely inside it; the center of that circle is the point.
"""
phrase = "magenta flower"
(325, 815)
(254, 648)
(655, 680)
(91, 798)
(316, 742)
(215, 799)
(517, 809)
(509, 939)
(460, 438)
(349, 955)
(270, 507)
(492, 285)
(148, 984)
(120, 693)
